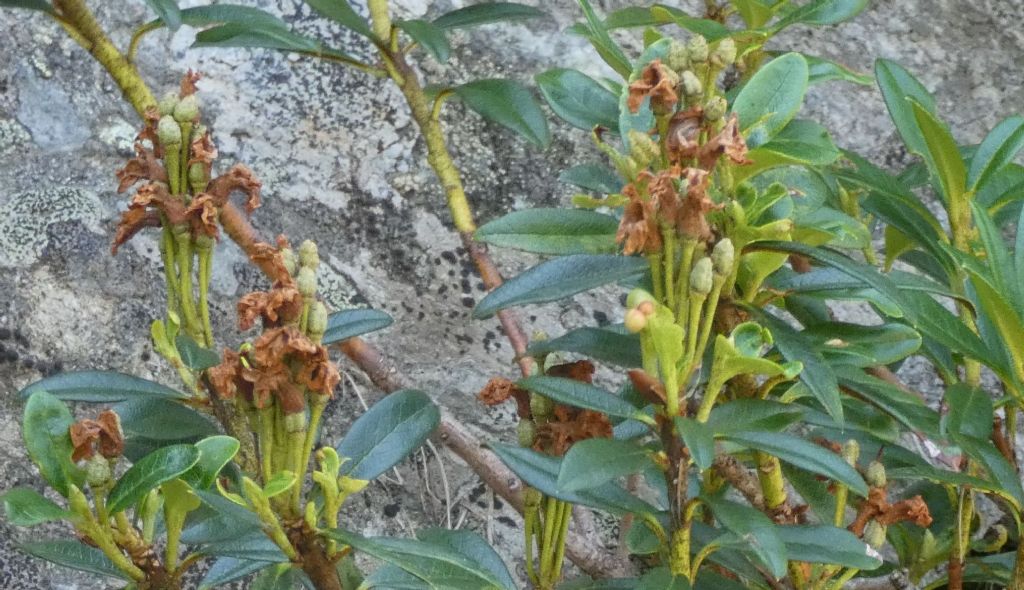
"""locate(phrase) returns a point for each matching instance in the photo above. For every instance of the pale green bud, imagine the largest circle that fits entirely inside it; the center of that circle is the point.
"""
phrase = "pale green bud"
(851, 451)
(167, 103)
(187, 109)
(677, 58)
(168, 131)
(715, 109)
(97, 471)
(295, 422)
(874, 534)
(929, 546)
(291, 263)
(697, 48)
(725, 53)
(527, 431)
(722, 257)
(875, 475)
(691, 84)
(197, 176)
(702, 277)
(638, 296)
(317, 321)
(540, 406)
(643, 149)
(309, 255)
(307, 281)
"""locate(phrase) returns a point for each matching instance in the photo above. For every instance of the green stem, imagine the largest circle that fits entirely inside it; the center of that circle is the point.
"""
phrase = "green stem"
(669, 260)
(711, 393)
(381, 19)
(654, 260)
(205, 273)
(707, 322)
(186, 144)
(682, 285)
(296, 446)
(168, 257)
(529, 534)
(563, 532)
(546, 555)
(843, 579)
(267, 442)
(842, 496)
(183, 242)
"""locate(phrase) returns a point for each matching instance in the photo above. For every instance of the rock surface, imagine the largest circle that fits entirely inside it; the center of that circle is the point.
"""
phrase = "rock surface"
(341, 163)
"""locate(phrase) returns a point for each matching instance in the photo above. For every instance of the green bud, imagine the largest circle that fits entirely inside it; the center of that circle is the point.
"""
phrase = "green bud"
(168, 131)
(167, 103)
(677, 58)
(253, 492)
(295, 422)
(851, 451)
(725, 53)
(643, 149)
(722, 257)
(638, 296)
(715, 109)
(929, 547)
(78, 503)
(307, 281)
(702, 277)
(197, 177)
(691, 84)
(97, 471)
(540, 406)
(635, 321)
(317, 321)
(309, 255)
(310, 515)
(697, 49)
(291, 263)
(875, 475)
(187, 109)
(874, 534)
(527, 431)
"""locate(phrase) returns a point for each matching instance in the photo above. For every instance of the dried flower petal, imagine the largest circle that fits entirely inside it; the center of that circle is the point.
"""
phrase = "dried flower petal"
(658, 82)
(238, 178)
(104, 433)
(188, 83)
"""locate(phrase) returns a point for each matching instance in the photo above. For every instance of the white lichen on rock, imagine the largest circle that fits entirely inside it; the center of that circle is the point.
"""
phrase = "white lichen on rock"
(12, 136)
(26, 217)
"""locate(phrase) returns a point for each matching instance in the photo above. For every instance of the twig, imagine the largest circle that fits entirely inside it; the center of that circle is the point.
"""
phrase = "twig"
(444, 483)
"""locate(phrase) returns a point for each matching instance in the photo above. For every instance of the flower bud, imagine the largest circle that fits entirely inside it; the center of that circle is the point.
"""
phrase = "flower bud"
(691, 84)
(291, 263)
(635, 321)
(677, 58)
(295, 422)
(526, 431)
(638, 296)
(97, 471)
(715, 109)
(197, 178)
(722, 257)
(697, 48)
(540, 406)
(929, 546)
(874, 534)
(317, 321)
(309, 255)
(168, 131)
(701, 278)
(643, 149)
(851, 451)
(167, 103)
(306, 281)
(875, 475)
(78, 503)
(725, 53)
(187, 109)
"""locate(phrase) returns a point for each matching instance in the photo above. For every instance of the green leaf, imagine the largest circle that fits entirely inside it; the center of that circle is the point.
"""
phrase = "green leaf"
(803, 454)
(219, 520)
(709, 29)
(45, 431)
(229, 569)
(757, 532)
(201, 16)
(194, 356)
(609, 51)
(823, 70)
(752, 414)
(429, 36)
(74, 555)
(897, 84)
(283, 576)
(596, 461)
(800, 143)
(772, 97)
(865, 346)
(434, 562)
(214, 453)
(384, 435)
(699, 438)
(997, 150)
(241, 35)
(341, 12)
(662, 578)
(905, 407)
(822, 12)
(541, 471)
(509, 104)
(41, 5)
(579, 100)
(1005, 476)
(592, 177)
(560, 278)
(942, 155)
(162, 419)
(487, 13)
(970, 411)
(154, 469)
(755, 13)
(579, 394)
(473, 547)
(392, 577)
(281, 482)
(349, 323)
(552, 231)
(168, 12)
(829, 545)
(99, 386)
(614, 346)
(255, 546)
(27, 507)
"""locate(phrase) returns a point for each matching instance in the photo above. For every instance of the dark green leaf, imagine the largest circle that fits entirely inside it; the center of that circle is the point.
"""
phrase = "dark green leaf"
(240, 35)
(27, 507)
(813, 490)
(592, 177)
(41, 5)
(755, 13)
(709, 29)
(997, 150)
(752, 414)
(699, 438)
(941, 155)
(823, 70)
(162, 419)
(579, 99)
(896, 85)
(865, 346)
(256, 546)
(349, 323)
(560, 278)
(201, 16)
(829, 545)
(168, 12)
(662, 578)
(74, 555)
(614, 346)
(341, 12)
(757, 532)
(801, 142)
(391, 429)
(509, 104)
(154, 469)
(218, 520)
(579, 394)
(1006, 478)
(905, 407)
(45, 431)
(803, 454)
(99, 386)
(229, 569)
(970, 411)
(552, 231)
(392, 577)
(214, 453)
(598, 36)
(772, 97)
(283, 576)
(595, 461)
(822, 12)
(194, 356)
(429, 36)
(487, 13)
(471, 546)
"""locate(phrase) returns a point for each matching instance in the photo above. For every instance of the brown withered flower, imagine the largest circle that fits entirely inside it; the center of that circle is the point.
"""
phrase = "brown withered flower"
(145, 166)
(269, 258)
(638, 231)
(226, 378)
(692, 221)
(318, 373)
(499, 390)
(878, 508)
(568, 426)
(102, 434)
(683, 137)
(657, 81)
(238, 178)
(728, 142)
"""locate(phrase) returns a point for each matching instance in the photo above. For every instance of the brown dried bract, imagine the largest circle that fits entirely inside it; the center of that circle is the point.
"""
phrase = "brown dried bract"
(658, 82)
(877, 507)
(499, 390)
(648, 386)
(203, 151)
(269, 259)
(729, 142)
(202, 216)
(577, 371)
(280, 305)
(638, 231)
(238, 178)
(318, 373)
(188, 83)
(692, 221)
(103, 433)
(143, 167)
(683, 137)
(145, 209)
(569, 426)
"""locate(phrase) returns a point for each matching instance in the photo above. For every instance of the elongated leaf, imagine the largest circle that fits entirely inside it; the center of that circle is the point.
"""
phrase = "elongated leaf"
(218, 14)
(801, 142)
(579, 99)
(240, 35)
(756, 531)
(970, 411)
(596, 461)
(194, 356)
(214, 453)
(822, 12)
(592, 177)
(393, 577)
(168, 12)
(823, 70)
(614, 346)
(253, 546)
(391, 429)
(436, 563)
(509, 104)
(41, 5)
(998, 149)
(905, 407)
(560, 278)
(341, 12)
(896, 85)
(864, 346)
(99, 386)
(828, 544)
(579, 394)
(473, 547)
(229, 569)
(74, 555)
(552, 231)
(598, 36)
(709, 29)
(162, 419)
(806, 455)
(1006, 478)
(752, 414)
(699, 439)
(429, 36)
(27, 507)
(942, 155)
(219, 520)
(662, 578)
(772, 97)
(44, 429)
(154, 469)
(349, 323)
(486, 13)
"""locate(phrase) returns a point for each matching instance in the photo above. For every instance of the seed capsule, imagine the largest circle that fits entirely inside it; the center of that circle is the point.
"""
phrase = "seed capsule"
(851, 451)
(697, 49)
(691, 84)
(527, 431)
(723, 256)
(725, 53)
(317, 321)
(167, 103)
(638, 296)
(309, 255)
(291, 263)
(307, 281)
(541, 406)
(643, 149)
(702, 277)
(715, 109)
(677, 58)
(875, 475)
(187, 109)
(168, 131)
(97, 471)
(874, 534)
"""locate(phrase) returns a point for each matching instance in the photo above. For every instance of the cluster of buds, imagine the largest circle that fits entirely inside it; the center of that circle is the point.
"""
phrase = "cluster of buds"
(99, 443)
